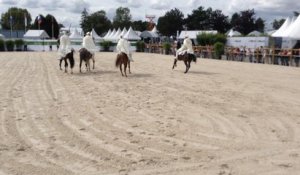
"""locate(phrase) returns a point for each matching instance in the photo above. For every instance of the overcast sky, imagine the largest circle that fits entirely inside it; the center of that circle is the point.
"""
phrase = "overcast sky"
(68, 12)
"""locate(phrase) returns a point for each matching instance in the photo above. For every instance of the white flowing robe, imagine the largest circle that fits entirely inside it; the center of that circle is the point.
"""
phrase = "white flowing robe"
(186, 46)
(123, 46)
(64, 47)
(89, 44)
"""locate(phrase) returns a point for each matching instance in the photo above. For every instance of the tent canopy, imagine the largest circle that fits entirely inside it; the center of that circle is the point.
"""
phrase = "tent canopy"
(36, 34)
(192, 34)
(254, 33)
(232, 33)
(131, 35)
(75, 35)
(95, 35)
(281, 31)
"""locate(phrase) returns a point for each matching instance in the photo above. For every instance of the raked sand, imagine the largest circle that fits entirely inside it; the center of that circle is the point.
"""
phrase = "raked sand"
(221, 118)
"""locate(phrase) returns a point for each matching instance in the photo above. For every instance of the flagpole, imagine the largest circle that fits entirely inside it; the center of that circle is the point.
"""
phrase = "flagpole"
(10, 21)
(52, 29)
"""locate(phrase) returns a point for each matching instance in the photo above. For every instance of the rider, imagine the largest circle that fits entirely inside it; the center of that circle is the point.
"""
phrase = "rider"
(88, 43)
(187, 46)
(123, 46)
(64, 47)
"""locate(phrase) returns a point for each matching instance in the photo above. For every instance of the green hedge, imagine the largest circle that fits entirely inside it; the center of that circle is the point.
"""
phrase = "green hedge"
(167, 48)
(2, 45)
(140, 46)
(10, 44)
(218, 50)
(19, 43)
(106, 45)
(210, 39)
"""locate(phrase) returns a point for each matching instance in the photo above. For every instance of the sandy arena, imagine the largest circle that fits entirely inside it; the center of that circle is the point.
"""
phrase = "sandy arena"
(222, 118)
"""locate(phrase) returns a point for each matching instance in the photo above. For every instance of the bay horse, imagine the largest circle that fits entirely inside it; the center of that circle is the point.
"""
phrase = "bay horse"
(122, 58)
(69, 56)
(187, 58)
(85, 56)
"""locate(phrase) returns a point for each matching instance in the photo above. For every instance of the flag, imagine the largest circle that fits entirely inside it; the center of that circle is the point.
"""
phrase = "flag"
(39, 19)
(25, 20)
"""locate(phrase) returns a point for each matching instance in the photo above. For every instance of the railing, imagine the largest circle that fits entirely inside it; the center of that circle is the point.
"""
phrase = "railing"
(286, 57)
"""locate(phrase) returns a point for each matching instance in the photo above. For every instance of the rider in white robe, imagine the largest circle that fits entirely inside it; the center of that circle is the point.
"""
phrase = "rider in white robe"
(65, 45)
(123, 46)
(88, 43)
(187, 46)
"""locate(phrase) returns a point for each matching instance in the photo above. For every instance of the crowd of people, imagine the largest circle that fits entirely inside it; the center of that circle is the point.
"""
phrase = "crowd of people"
(285, 57)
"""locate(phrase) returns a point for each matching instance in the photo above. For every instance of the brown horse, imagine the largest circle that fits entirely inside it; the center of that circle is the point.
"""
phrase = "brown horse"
(70, 57)
(122, 58)
(85, 56)
(187, 58)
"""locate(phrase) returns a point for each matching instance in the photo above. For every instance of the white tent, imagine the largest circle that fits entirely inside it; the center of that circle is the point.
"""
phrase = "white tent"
(124, 31)
(75, 35)
(254, 33)
(232, 33)
(107, 34)
(1, 36)
(95, 35)
(116, 36)
(36, 34)
(193, 33)
(294, 30)
(109, 37)
(281, 31)
(131, 35)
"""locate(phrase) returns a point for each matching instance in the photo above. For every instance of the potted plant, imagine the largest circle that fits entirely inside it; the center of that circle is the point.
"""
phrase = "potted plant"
(106, 45)
(19, 44)
(219, 49)
(140, 46)
(167, 48)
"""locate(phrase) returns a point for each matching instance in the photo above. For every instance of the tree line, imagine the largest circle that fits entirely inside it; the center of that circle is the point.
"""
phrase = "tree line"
(168, 24)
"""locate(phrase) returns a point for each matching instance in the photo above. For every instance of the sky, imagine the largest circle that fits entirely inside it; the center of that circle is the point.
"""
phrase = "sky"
(68, 12)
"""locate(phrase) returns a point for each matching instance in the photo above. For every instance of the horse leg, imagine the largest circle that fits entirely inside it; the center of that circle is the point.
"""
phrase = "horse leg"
(66, 65)
(80, 65)
(125, 66)
(121, 70)
(93, 62)
(174, 65)
(129, 67)
(187, 67)
(60, 61)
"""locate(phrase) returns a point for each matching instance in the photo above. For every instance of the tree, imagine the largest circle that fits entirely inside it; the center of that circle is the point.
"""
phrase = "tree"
(84, 23)
(99, 22)
(219, 21)
(139, 25)
(198, 20)
(51, 24)
(17, 17)
(245, 22)
(260, 25)
(122, 18)
(277, 24)
(171, 22)
(208, 19)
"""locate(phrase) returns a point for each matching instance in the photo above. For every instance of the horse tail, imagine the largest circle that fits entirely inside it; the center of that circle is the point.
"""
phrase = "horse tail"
(118, 60)
(72, 61)
(194, 58)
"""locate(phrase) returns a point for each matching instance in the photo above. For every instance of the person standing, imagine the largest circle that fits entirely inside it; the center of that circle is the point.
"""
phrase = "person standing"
(124, 47)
